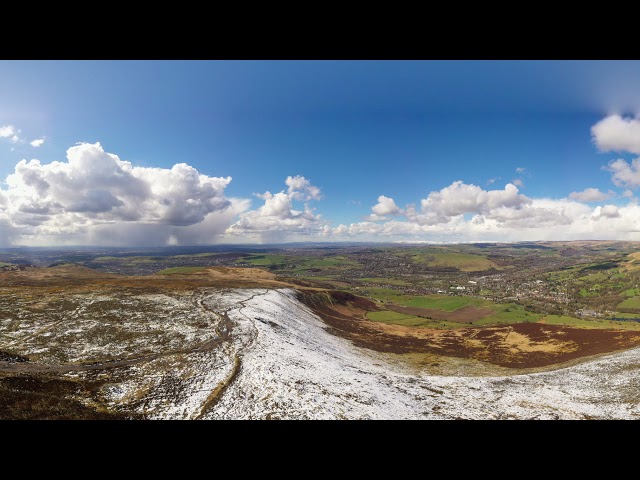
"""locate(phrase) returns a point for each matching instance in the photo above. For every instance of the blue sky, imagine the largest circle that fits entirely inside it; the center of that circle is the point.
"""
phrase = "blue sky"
(355, 129)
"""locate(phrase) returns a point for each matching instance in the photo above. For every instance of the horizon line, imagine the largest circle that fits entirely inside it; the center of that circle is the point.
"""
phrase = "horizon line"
(401, 242)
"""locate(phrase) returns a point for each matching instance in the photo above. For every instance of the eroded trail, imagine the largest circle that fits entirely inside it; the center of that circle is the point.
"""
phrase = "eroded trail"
(222, 387)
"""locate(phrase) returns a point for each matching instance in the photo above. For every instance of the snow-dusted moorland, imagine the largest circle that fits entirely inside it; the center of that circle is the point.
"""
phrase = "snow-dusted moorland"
(261, 353)
(291, 367)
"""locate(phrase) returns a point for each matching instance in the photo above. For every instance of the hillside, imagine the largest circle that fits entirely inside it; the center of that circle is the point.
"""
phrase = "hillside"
(242, 343)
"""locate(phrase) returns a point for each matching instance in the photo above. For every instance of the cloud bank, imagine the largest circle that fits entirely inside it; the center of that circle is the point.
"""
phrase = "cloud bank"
(97, 198)
(464, 212)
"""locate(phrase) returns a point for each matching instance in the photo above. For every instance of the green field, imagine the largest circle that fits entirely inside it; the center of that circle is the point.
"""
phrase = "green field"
(577, 322)
(448, 303)
(2, 264)
(631, 292)
(633, 302)
(595, 323)
(508, 313)
(385, 295)
(174, 270)
(587, 293)
(388, 316)
(465, 262)
(330, 265)
(566, 320)
(445, 302)
(293, 263)
(396, 318)
(385, 281)
(595, 277)
(263, 260)
(626, 315)
(504, 313)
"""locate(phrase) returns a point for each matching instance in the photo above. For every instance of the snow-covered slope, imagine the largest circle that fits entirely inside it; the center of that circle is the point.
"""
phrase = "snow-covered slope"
(291, 367)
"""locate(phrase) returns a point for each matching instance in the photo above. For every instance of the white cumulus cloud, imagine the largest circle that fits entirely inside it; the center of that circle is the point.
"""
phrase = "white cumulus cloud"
(617, 133)
(7, 131)
(11, 133)
(499, 215)
(385, 206)
(590, 195)
(606, 211)
(278, 219)
(299, 188)
(625, 174)
(460, 198)
(95, 191)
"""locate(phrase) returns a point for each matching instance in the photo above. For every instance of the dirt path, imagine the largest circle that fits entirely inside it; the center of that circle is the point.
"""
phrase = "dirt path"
(218, 392)
(468, 314)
